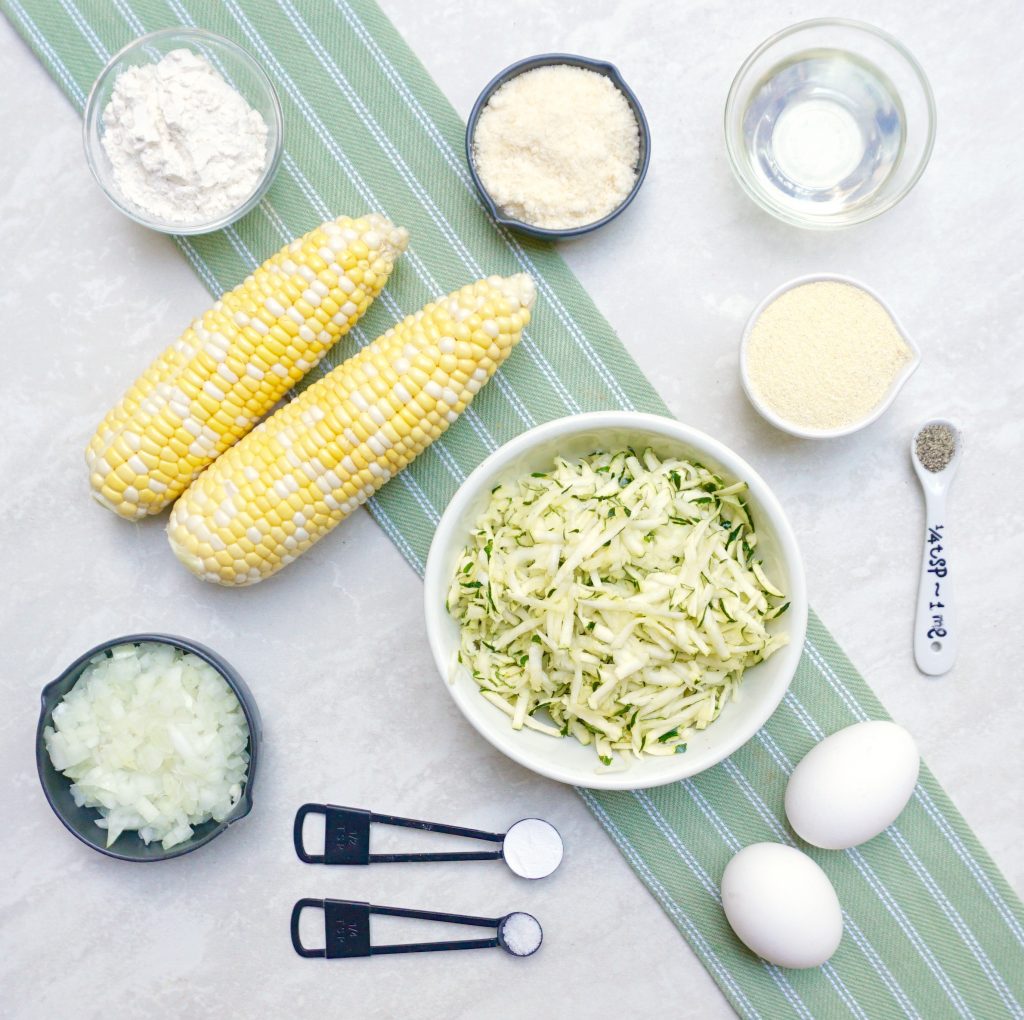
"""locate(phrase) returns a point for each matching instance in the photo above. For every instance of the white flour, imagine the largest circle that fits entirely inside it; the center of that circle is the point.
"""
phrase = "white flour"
(184, 145)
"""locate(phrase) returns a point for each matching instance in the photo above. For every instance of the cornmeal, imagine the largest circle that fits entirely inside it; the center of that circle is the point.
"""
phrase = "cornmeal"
(823, 355)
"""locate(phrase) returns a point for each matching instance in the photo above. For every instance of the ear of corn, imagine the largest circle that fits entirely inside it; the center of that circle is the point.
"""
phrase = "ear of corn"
(306, 468)
(232, 365)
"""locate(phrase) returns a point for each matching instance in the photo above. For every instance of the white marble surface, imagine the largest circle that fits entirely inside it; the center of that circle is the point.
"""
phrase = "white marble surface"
(335, 649)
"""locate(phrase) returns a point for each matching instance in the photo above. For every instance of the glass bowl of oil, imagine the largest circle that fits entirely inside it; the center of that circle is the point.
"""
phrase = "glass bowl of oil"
(829, 123)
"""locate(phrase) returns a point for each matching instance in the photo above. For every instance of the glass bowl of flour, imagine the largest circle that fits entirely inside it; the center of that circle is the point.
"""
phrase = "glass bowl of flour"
(183, 131)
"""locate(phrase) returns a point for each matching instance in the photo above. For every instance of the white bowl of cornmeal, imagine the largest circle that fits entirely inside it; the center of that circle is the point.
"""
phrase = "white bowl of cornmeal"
(823, 356)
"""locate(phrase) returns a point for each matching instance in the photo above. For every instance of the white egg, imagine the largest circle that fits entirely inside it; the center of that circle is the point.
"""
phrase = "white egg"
(782, 905)
(852, 785)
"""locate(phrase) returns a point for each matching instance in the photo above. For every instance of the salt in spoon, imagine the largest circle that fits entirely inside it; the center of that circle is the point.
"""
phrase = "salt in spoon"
(936, 450)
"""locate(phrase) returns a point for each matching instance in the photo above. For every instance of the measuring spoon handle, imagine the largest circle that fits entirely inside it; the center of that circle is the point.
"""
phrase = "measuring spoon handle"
(935, 630)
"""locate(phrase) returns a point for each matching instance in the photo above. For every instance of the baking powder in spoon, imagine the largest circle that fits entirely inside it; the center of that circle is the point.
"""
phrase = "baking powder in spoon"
(532, 848)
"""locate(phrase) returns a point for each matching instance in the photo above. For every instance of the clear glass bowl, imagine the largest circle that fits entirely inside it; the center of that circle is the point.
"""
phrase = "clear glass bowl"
(864, 46)
(239, 69)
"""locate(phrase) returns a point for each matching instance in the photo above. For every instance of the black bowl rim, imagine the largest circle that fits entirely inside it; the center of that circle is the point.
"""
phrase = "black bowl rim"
(546, 60)
(234, 681)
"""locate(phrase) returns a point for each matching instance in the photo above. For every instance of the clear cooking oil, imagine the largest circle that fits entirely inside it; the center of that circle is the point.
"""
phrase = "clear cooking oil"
(824, 130)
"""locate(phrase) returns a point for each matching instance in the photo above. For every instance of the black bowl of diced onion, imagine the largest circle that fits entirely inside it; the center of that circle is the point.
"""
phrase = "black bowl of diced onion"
(81, 821)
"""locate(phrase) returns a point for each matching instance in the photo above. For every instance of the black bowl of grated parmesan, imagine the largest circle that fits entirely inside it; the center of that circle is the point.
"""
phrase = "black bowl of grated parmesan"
(557, 145)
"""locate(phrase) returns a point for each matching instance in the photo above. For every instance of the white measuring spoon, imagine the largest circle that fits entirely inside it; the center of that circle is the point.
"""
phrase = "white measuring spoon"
(935, 633)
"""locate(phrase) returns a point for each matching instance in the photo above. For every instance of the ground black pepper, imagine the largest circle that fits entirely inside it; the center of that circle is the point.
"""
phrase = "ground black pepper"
(935, 446)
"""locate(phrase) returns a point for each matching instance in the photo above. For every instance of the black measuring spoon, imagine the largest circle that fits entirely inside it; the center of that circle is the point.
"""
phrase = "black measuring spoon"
(347, 931)
(532, 848)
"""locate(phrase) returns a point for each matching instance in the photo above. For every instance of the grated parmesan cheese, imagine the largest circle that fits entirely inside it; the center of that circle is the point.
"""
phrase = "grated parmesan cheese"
(557, 147)
(823, 355)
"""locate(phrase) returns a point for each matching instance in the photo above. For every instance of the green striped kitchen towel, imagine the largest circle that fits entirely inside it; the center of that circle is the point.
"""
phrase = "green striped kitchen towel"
(932, 929)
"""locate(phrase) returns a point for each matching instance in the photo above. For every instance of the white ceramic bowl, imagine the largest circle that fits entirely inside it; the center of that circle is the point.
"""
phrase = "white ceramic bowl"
(566, 760)
(798, 430)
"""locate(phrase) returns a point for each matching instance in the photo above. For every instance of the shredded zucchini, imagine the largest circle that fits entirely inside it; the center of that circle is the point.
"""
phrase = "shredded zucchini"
(616, 599)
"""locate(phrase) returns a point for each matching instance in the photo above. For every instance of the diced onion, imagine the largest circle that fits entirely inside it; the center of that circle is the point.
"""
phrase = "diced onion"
(154, 739)
(617, 598)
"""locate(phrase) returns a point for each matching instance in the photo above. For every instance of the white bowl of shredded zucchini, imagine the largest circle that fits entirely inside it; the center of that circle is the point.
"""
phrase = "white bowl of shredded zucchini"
(615, 600)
